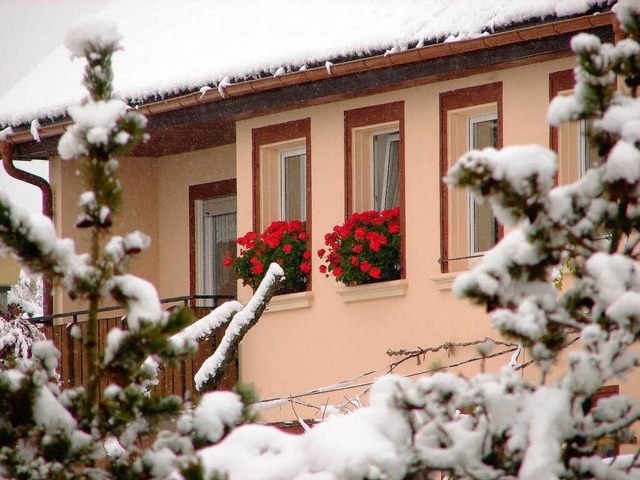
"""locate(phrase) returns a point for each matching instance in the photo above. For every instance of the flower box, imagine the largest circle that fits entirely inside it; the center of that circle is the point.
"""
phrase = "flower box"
(365, 249)
(282, 242)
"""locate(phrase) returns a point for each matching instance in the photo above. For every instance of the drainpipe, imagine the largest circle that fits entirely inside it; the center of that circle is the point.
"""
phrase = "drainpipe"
(6, 149)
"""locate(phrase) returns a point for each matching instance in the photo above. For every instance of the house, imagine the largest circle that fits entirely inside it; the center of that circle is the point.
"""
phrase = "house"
(254, 120)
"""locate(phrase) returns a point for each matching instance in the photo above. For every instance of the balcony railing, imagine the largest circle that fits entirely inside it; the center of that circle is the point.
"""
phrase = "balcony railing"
(172, 381)
(208, 301)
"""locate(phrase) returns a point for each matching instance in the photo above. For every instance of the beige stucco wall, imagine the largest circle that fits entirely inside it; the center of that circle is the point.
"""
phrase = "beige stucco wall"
(293, 351)
(175, 174)
(139, 178)
(156, 199)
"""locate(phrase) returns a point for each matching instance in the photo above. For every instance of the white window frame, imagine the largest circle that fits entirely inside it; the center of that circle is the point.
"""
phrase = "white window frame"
(471, 142)
(284, 155)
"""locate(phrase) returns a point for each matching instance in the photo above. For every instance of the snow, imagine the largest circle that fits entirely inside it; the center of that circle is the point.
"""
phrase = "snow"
(623, 163)
(160, 462)
(114, 339)
(5, 132)
(91, 34)
(41, 231)
(530, 171)
(373, 442)
(94, 123)
(207, 325)
(585, 42)
(17, 337)
(239, 322)
(369, 443)
(47, 353)
(13, 378)
(50, 414)
(216, 412)
(35, 126)
(209, 42)
(548, 413)
(141, 299)
(255, 451)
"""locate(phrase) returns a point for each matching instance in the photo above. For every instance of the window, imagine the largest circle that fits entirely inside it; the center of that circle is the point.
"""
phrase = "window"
(483, 231)
(589, 156)
(470, 118)
(374, 158)
(293, 174)
(376, 168)
(216, 239)
(212, 231)
(374, 161)
(575, 154)
(386, 170)
(281, 169)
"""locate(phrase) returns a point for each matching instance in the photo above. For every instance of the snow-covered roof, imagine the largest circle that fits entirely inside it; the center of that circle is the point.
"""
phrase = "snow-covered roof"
(173, 47)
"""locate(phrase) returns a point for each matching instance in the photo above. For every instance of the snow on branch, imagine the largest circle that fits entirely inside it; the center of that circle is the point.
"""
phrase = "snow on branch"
(188, 337)
(32, 238)
(207, 325)
(213, 368)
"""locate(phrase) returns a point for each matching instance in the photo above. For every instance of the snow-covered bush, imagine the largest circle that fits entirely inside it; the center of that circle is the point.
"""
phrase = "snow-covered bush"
(25, 298)
(17, 333)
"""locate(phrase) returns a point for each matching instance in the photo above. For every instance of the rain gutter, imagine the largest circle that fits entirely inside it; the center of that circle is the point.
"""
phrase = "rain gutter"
(6, 149)
(412, 55)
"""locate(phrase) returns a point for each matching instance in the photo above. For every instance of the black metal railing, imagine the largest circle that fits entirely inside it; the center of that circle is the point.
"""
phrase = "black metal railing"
(453, 259)
(186, 300)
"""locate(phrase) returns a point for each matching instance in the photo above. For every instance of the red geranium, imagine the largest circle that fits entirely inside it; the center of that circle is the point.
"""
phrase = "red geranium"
(257, 268)
(283, 243)
(365, 249)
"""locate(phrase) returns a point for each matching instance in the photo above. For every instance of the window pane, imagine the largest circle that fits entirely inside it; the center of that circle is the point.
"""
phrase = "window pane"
(386, 170)
(484, 230)
(218, 240)
(588, 152)
(294, 192)
(485, 133)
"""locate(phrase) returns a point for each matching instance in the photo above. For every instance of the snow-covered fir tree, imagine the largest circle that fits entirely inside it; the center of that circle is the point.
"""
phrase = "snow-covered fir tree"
(17, 333)
(47, 433)
(25, 298)
(492, 426)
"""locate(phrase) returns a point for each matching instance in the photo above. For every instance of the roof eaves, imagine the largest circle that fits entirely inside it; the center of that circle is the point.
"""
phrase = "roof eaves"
(376, 62)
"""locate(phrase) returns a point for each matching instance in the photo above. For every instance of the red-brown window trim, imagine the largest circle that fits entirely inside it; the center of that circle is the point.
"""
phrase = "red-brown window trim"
(361, 117)
(280, 132)
(203, 191)
(453, 100)
(558, 82)
(273, 134)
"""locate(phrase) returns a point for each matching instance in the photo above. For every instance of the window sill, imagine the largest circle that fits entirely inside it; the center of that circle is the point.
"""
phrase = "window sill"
(444, 281)
(358, 293)
(290, 301)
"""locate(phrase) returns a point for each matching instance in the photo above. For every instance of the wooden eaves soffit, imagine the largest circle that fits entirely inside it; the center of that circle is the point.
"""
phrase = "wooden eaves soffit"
(195, 116)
